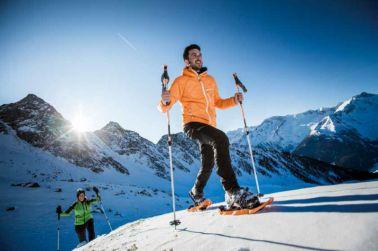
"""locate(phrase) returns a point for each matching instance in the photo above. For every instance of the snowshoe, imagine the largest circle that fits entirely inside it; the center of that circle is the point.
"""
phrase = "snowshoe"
(241, 198)
(224, 210)
(199, 202)
(201, 206)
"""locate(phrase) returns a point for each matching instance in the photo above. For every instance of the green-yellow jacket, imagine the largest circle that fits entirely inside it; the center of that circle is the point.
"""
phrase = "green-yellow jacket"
(82, 210)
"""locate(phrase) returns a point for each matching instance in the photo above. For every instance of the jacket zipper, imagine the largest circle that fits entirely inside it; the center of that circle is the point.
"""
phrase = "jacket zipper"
(207, 101)
(204, 93)
(83, 206)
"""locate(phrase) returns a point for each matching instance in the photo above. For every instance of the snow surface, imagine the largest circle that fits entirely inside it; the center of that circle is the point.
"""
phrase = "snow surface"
(337, 217)
(327, 127)
(343, 105)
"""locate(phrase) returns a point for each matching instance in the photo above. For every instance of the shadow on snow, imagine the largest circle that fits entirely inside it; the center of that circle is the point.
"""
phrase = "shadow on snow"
(257, 240)
(281, 206)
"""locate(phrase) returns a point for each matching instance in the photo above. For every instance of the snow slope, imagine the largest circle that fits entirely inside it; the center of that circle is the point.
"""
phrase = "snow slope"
(32, 224)
(337, 217)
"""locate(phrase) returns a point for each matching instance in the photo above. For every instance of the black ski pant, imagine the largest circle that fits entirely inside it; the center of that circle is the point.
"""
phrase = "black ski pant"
(80, 230)
(214, 147)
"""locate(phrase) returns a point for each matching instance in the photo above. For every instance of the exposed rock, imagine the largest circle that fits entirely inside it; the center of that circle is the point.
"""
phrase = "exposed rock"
(10, 209)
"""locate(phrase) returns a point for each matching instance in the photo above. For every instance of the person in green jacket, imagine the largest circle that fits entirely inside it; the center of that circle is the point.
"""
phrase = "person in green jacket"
(83, 216)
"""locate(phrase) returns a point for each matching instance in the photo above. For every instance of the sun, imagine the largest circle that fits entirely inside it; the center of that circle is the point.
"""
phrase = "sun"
(79, 122)
(79, 125)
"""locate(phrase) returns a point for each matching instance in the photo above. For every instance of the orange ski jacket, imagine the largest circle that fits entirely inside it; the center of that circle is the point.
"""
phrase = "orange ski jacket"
(198, 96)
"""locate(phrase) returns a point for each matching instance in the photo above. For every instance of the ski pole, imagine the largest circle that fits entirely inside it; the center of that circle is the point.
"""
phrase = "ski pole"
(58, 211)
(238, 84)
(95, 189)
(164, 83)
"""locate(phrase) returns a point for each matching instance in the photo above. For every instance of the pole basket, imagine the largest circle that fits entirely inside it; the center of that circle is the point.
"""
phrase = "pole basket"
(175, 222)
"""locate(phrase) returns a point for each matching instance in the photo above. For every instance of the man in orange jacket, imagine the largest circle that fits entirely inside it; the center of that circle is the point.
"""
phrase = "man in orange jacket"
(198, 94)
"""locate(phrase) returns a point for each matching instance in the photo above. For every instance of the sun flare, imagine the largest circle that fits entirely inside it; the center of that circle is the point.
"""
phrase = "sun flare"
(80, 123)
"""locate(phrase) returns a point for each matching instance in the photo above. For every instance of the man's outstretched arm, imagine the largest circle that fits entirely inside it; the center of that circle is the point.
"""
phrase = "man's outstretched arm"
(228, 102)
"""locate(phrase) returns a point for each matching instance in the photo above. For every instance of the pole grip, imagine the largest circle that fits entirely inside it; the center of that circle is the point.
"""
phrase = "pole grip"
(165, 77)
(239, 83)
(164, 80)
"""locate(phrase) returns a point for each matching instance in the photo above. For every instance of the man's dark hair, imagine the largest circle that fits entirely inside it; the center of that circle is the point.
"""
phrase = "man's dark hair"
(185, 55)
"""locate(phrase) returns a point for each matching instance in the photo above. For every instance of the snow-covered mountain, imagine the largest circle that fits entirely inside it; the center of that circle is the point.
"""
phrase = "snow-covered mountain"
(129, 143)
(39, 124)
(43, 161)
(344, 135)
(348, 137)
(339, 217)
(285, 132)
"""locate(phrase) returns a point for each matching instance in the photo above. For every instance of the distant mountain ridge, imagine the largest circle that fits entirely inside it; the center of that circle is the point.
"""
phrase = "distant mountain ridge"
(348, 137)
(38, 123)
(344, 135)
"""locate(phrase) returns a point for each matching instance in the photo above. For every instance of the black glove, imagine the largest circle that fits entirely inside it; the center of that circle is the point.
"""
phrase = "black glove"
(95, 189)
(59, 210)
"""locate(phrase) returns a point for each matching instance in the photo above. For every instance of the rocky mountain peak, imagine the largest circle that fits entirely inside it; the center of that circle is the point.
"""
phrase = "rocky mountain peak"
(33, 102)
(32, 114)
(112, 126)
(365, 95)
(32, 98)
(359, 102)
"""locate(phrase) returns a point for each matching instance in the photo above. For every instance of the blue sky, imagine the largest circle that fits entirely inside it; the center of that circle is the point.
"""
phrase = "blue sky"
(291, 55)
